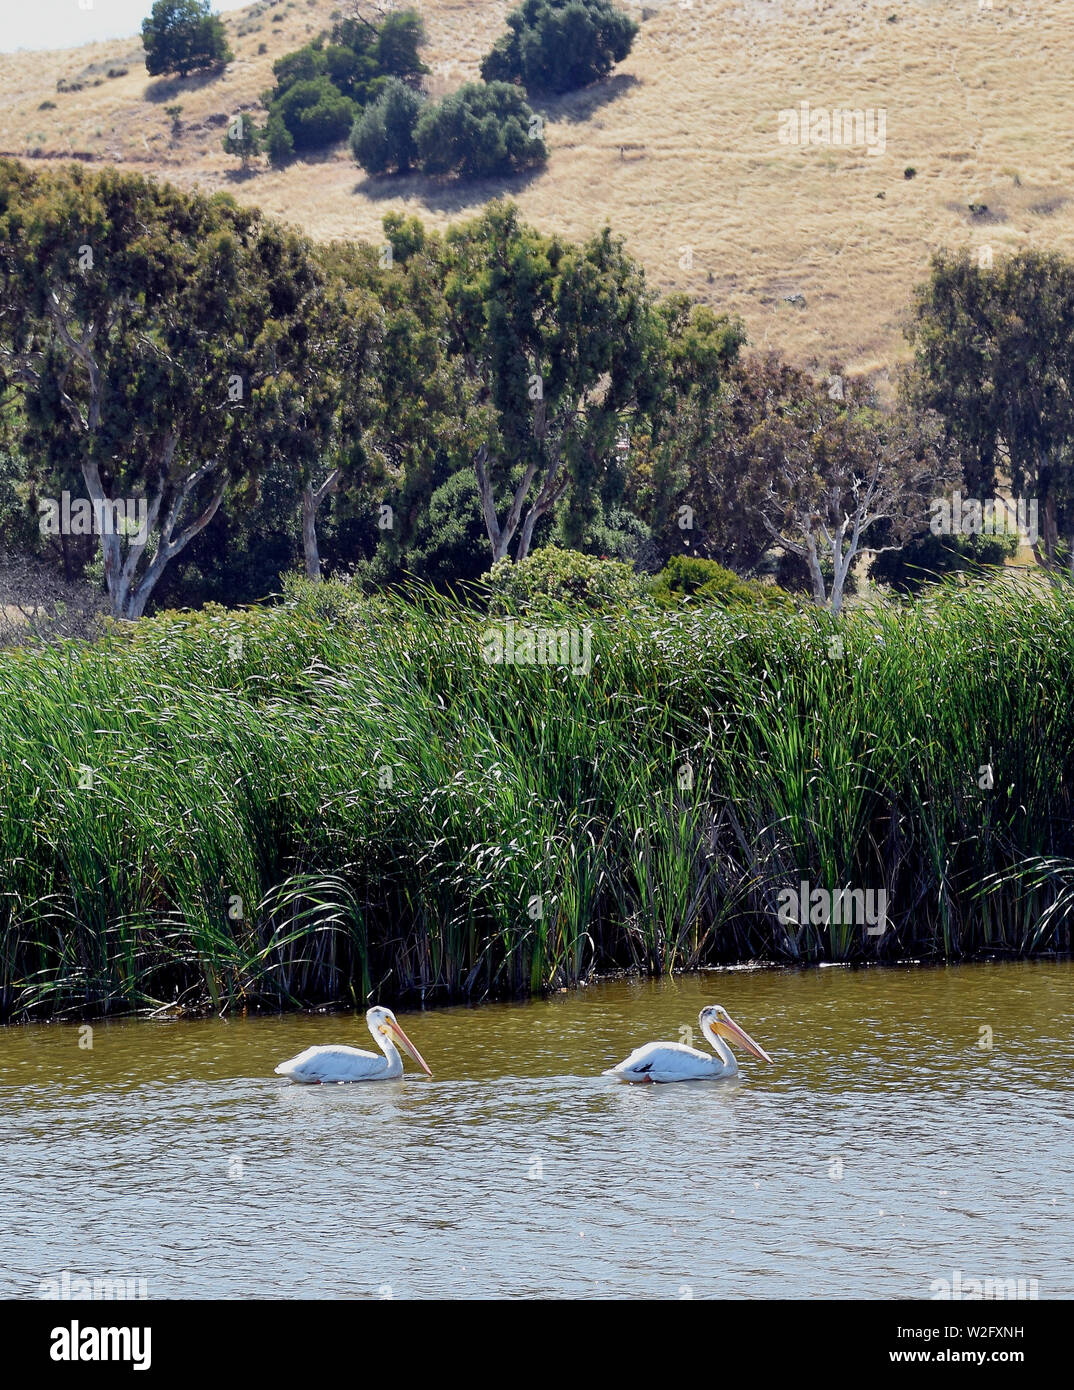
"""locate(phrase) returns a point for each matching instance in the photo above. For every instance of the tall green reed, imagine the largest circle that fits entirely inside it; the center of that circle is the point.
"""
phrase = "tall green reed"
(339, 799)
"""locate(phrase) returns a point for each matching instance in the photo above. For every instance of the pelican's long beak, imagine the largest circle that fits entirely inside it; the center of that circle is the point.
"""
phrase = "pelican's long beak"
(733, 1033)
(407, 1046)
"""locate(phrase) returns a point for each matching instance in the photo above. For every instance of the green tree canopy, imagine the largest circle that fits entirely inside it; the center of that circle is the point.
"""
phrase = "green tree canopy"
(994, 357)
(315, 113)
(182, 36)
(175, 345)
(243, 138)
(382, 140)
(337, 78)
(480, 131)
(558, 45)
(560, 347)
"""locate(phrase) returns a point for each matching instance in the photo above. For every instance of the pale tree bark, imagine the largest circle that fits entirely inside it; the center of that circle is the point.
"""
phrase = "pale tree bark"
(168, 544)
(547, 498)
(128, 591)
(553, 486)
(500, 537)
(803, 528)
(311, 500)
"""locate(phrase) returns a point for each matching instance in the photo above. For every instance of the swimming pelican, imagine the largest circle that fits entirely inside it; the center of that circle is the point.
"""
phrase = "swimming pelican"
(666, 1061)
(326, 1064)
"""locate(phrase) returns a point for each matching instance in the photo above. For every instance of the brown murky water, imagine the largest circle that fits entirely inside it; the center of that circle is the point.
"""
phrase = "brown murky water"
(884, 1150)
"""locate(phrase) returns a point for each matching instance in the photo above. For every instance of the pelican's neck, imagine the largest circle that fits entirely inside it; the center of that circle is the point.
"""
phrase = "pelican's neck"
(384, 1042)
(726, 1056)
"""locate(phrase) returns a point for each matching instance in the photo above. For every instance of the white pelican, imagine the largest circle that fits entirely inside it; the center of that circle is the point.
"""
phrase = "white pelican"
(667, 1061)
(328, 1064)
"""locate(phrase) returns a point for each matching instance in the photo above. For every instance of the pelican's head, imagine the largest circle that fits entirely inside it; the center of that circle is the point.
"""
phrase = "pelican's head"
(383, 1023)
(716, 1018)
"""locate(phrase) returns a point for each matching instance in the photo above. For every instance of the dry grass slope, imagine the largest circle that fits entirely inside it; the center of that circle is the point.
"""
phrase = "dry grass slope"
(817, 248)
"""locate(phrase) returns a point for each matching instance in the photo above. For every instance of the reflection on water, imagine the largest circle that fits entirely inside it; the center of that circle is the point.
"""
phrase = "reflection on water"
(885, 1148)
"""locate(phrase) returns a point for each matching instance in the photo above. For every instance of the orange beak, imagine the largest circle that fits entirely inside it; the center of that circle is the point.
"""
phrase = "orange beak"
(733, 1033)
(404, 1042)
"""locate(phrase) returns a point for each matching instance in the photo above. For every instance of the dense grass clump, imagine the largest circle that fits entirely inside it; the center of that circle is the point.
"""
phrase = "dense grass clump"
(341, 797)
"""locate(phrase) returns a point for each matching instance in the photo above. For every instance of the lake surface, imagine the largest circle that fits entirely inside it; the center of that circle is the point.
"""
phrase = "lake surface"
(885, 1148)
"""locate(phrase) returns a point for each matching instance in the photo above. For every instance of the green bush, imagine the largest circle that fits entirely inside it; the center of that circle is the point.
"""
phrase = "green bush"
(303, 65)
(243, 138)
(558, 45)
(448, 545)
(355, 67)
(926, 558)
(613, 534)
(382, 139)
(398, 40)
(480, 131)
(315, 113)
(688, 579)
(278, 142)
(182, 36)
(562, 576)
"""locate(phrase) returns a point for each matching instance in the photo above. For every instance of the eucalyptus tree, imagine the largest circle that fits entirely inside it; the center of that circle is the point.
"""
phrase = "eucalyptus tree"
(994, 357)
(686, 479)
(561, 348)
(825, 468)
(174, 345)
(420, 421)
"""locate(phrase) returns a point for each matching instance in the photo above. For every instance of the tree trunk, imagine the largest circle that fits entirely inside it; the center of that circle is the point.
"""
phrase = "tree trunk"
(842, 559)
(129, 594)
(820, 595)
(310, 547)
(838, 582)
(311, 500)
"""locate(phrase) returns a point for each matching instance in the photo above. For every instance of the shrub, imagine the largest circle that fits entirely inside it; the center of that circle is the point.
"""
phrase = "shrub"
(562, 576)
(398, 41)
(480, 131)
(278, 143)
(558, 45)
(448, 546)
(355, 66)
(688, 579)
(615, 534)
(243, 138)
(315, 113)
(926, 558)
(182, 36)
(303, 65)
(383, 135)
(347, 71)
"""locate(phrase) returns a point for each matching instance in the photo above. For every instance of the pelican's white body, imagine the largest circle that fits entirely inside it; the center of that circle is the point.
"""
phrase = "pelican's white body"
(343, 1064)
(668, 1061)
(336, 1063)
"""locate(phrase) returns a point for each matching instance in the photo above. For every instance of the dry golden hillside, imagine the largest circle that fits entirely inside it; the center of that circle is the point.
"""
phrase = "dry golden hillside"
(816, 247)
